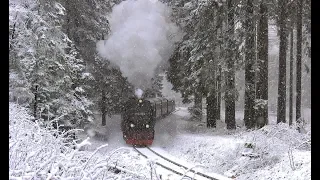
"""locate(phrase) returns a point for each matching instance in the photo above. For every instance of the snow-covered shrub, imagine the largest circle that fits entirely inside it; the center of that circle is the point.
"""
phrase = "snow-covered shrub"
(270, 146)
(36, 152)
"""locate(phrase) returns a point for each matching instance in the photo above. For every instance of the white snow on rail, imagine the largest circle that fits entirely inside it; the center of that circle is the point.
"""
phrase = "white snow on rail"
(185, 172)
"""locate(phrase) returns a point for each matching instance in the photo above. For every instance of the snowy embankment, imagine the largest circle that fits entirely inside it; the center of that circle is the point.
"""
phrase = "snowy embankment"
(272, 152)
(35, 153)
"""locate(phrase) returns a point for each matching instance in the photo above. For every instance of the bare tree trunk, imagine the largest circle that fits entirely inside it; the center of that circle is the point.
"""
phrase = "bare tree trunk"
(212, 101)
(230, 74)
(35, 105)
(211, 121)
(103, 107)
(219, 34)
(291, 78)
(36, 88)
(299, 55)
(262, 76)
(198, 105)
(281, 110)
(218, 114)
(249, 71)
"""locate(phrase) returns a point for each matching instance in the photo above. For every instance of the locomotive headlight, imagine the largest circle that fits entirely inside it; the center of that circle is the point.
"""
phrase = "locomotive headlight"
(147, 126)
(140, 100)
(132, 125)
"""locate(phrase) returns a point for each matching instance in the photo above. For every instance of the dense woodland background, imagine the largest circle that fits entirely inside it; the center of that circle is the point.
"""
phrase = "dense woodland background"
(235, 55)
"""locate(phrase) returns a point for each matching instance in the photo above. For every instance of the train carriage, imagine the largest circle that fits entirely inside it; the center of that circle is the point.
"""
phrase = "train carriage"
(164, 107)
(171, 105)
(157, 108)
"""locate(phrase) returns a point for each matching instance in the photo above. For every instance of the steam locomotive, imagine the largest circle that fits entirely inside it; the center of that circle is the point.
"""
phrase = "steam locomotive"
(139, 116)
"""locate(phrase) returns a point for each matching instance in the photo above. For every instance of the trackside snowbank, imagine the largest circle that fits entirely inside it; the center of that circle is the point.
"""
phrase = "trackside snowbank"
(35, 153)
(272, 152)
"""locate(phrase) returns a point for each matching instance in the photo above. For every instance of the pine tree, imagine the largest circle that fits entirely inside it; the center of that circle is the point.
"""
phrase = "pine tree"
(249, 71)
(219, 82)
(281, 108)
(86, 24)
(186, 71)
(212, 83)
(261, 101)
(291, 79)
(292, 5)
(48, 63)
(156, 87)
(230, 73)
(299, 55)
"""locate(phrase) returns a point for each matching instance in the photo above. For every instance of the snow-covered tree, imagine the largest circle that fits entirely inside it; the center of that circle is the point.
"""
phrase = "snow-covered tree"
(204, 51)
(261, 112)
(230, 74)
(109, 89)
(249, 95)
(47, 61)
(186, 70)
(86, 23)
(156, 87)
(299, 56)
(281, 108)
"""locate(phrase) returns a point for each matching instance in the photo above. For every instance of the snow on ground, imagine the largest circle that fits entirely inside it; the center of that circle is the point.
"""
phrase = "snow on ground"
(273, 152)
(229, 153)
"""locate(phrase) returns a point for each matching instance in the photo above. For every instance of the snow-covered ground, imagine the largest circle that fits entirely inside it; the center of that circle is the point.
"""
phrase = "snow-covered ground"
(259, 154)
(273, 152)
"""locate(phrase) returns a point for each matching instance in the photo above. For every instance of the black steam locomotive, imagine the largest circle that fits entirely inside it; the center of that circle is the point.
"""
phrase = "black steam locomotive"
(139, 116)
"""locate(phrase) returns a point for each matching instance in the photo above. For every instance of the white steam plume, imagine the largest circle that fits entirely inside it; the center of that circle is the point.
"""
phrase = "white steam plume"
(138, 93)
(141, 37)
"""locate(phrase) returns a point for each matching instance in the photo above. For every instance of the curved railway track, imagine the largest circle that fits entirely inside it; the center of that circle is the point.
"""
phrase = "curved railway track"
(179, 172)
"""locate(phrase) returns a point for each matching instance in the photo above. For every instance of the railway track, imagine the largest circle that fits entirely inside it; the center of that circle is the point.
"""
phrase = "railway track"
(179, 169)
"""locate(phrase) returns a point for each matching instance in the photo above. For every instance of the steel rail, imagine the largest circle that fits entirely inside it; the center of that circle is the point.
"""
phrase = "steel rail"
(177, 164)
(172, 170)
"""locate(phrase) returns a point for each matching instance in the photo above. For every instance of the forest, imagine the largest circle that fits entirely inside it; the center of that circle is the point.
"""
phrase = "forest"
(239, 72)
(56, 71)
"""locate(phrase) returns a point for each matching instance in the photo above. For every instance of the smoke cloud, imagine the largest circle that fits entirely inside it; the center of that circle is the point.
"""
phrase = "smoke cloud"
(141, 37)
